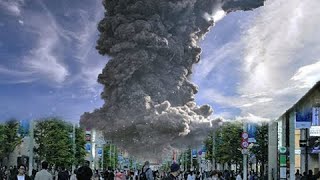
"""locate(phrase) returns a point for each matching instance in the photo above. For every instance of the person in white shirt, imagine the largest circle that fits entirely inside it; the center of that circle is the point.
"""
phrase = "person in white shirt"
(43, 174)
(239, 176)
(21, 175)
(74, 175)
(191, 176)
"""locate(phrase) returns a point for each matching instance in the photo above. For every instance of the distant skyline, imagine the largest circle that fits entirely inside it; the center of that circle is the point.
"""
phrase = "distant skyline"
(254, 64)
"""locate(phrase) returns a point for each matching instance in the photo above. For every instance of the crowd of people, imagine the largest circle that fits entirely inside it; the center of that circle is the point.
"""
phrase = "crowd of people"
(146, 173)
(306, 176)
(20, 173)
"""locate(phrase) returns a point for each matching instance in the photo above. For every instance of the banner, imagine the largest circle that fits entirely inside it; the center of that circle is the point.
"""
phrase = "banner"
(303, 119)
(204, 149)
(24, 128)
(99, 152)
(252, 129)
(315, 116)
(194, 153)
(88, 147)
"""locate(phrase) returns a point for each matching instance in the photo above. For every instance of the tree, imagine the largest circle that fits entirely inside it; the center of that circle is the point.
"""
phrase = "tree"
(2, 140)
(260, 149)
(227, 144)
(110, 154)
(9, 138)
(80, 147)
(52, 136)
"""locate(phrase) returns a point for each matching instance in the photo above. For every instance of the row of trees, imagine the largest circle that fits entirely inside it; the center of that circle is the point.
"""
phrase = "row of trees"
(227, 145)
(54, 142)
(110, 156)
(185, 160)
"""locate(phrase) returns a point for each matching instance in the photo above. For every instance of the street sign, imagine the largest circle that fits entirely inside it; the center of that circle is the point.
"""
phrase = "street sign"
(100, 152)
(283, 172)
(315, 131)
(252, 129)
(194, 153)
(282, 149)
(244, 144)
(88, 147)
(244, 135)
(88, 137)
(283, 160)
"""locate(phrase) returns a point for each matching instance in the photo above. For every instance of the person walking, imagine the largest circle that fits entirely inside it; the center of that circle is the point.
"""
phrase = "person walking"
(44, 174)
(174, 172)
(110, 175)
(74, 175)
(84, 173)
(191, 176)
(239, 176)
(22, 174)
(63, 174)
(146, 173)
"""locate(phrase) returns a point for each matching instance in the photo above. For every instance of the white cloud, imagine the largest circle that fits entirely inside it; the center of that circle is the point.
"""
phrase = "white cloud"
(42, 60)
(282, 46)
(12, 7)
(208, 64)
(252, 118)
(45, 59)
(307, 75)
(214, 96)
(10, 72)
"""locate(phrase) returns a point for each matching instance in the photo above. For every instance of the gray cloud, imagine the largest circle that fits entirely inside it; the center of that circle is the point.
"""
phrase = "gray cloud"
(153, 46)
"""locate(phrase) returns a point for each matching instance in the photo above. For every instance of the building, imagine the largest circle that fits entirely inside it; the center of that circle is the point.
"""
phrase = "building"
(294, 138)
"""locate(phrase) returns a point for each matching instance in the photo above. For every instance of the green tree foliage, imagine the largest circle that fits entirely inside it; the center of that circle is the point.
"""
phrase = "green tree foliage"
(80, 147)
(9, 138)
(53, 139)
(227, 144)
(110, 155)
(185, 160)
(260, 149)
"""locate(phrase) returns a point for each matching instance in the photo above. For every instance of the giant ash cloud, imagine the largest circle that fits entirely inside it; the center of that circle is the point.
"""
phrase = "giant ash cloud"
(149, 99)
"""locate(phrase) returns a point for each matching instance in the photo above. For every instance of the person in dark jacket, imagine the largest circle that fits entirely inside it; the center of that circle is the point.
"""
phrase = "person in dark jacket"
(175, 172)
(63, 174)
(84, 173)
(22, 173)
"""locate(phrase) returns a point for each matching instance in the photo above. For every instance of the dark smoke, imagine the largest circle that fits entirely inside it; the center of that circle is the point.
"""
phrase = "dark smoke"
(153, 44)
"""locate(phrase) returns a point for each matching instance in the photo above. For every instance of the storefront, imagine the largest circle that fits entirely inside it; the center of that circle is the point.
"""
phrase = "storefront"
(294, 138)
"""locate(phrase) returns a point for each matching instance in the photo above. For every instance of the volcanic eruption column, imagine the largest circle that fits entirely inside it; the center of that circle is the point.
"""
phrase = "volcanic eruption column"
(149, 100)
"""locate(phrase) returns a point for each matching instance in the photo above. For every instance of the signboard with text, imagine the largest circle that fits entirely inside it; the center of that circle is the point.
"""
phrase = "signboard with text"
(315, 131)
(88, 147)
(303, 119)
(194, 153)
(252, 129)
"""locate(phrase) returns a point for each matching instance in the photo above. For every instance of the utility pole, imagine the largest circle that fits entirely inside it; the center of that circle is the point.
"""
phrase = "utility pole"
(31, 146)
(306, 148)
(102, 158)
(245, 157)
(191, 167)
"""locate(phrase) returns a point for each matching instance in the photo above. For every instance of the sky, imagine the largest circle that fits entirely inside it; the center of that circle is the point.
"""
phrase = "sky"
(254, 64)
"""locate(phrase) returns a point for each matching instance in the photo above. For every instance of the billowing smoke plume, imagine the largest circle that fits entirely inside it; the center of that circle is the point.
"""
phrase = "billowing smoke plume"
(149, 100)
